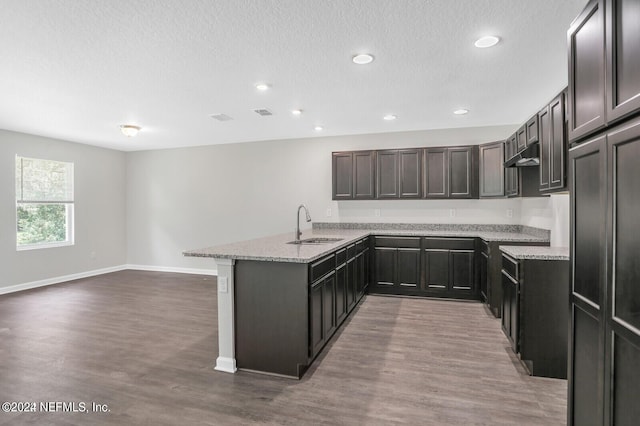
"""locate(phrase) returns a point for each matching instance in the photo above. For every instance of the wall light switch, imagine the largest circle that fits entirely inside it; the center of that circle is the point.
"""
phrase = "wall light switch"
(328, 212)
(509, 212)
(376, 212)
(223, 284)
(452, 212)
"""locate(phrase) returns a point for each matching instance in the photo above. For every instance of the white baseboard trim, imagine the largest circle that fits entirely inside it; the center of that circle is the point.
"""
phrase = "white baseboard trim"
(228, 365)
(155, 268)
(87, 274)
(61, 279)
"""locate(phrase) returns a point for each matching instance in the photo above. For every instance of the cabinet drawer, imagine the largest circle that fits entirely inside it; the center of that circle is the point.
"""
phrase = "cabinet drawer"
(484, 247)
(450, 243)
(322, 267)
(351, 251)
(510, 266)
(398, 242)
(359, 246)
(341, 256)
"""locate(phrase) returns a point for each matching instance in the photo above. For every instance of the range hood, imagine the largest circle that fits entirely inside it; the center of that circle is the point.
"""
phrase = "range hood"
(527, 157)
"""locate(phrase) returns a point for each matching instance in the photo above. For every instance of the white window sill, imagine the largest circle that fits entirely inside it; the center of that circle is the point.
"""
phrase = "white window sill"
(44, 245)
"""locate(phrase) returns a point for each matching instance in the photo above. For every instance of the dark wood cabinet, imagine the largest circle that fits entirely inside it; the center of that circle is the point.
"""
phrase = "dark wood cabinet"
(510, 308)
(553, 145)
(387, 174)
(521, 139)
(410, 173)
(399, 173)
(586, 43)
(397, 265)
(492, 171)
(342, 308)
(512, 178)
(532, 130)
(449, 267)
(451, 172)
(353, 175)
(483, 265)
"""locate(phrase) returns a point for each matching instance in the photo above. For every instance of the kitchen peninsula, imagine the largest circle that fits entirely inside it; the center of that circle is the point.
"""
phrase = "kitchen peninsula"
(280, 303)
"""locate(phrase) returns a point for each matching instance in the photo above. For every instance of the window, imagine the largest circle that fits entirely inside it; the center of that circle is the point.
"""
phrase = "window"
(44, 203)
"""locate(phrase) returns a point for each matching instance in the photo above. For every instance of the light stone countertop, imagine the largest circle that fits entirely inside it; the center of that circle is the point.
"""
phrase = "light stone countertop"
(536, 252)
(275, 248)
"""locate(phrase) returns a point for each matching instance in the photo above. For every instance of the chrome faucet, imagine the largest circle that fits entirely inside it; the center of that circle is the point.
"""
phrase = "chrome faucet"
(298, 233)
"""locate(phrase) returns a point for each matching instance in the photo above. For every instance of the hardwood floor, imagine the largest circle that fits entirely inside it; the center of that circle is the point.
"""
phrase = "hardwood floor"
(145, 343)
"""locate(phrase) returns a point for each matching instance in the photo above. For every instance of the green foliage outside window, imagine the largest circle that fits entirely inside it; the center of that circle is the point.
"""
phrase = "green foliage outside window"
(41, 223)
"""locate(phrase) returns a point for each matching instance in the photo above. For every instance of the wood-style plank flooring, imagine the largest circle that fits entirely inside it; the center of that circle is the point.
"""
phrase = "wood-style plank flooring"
(145, 343)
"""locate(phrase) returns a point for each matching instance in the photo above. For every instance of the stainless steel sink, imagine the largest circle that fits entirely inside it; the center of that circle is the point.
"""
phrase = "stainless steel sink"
(316, 240)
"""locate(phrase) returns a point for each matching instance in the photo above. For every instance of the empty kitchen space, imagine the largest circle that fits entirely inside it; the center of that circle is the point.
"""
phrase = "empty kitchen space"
(301, 212)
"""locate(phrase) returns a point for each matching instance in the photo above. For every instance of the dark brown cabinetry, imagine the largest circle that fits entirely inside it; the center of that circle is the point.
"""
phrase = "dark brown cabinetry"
(399, 173)
(536, 296)
(449, 267)
(451, 172)
(397, 265)
(553, 145)
(353, 175)
(492, 171)
(512, 181)
(604, 66)
(532, 130)
(322, 316)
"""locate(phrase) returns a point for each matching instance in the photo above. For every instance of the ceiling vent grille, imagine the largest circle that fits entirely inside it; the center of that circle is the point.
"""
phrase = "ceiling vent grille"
(221, 117)
(263, 112)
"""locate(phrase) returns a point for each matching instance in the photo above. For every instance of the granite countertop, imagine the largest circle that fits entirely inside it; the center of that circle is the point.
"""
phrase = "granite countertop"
(275, 248)
(536, 252)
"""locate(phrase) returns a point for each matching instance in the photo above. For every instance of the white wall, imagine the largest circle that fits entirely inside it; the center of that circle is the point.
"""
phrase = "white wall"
(549, 213)
(99, 211)
(189, 198)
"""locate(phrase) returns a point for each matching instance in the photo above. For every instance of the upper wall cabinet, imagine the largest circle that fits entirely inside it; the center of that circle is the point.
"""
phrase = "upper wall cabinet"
(492, 170)
(399, 173)
(623, 58)
(553, 145)
(585, 39)
(353, 175)
(512, 180)
(451, 172)
(604, 66)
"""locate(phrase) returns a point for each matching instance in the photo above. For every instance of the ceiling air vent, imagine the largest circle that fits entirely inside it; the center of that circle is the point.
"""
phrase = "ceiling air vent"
(263, 112)
(221, 117)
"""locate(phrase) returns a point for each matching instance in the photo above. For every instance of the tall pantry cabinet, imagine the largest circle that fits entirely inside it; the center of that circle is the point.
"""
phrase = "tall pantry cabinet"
(604, 130)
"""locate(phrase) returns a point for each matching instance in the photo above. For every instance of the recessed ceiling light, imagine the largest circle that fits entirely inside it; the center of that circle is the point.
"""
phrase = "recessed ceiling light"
(263, 86)
(362, 59)
(318, 128)
(389, 117)
(296, 112)
(461, 111)
(487, 41)
(129, 130)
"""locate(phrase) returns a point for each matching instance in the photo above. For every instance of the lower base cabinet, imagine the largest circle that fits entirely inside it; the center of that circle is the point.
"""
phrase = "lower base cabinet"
(535, 313)
(425, 266)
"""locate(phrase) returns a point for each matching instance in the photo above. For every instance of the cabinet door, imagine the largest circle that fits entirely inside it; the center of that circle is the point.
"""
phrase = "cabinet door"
(342, 173)
(410, 173)
(436, 172)
(588, 278)
(316, 336)
(586, 41)
(329, 306)
(387, 174)
(505, 320)
(532, 130)
(511, 173)
(364, 175)
(367, 265)
(492, 170)
(521, 139)
(351, 283)
(557, 169)
(462, 270)
(461, 173)
(436, 269)
(359, 275)
(623, 58)
(622, 353)
(408, 268)
(484, 276)
(544, 123)
(385, 261)
(341, 293)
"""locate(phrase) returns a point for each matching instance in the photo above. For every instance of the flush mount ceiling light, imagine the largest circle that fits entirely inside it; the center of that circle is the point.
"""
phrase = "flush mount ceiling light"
(318, 128)
(461, 111)
(389, 117)
(362, 59)
(263, 86)
(296, 112)
(129, 130)
(486, 41)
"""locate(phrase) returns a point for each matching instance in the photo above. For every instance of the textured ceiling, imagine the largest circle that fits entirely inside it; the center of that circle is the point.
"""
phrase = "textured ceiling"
(77, 69)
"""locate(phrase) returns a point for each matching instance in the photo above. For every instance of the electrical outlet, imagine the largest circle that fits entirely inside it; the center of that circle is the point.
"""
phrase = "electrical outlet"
(328, 212)
(92, 255)
(509, 212)
(452, 212)
(223, 284)
(376, 212)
